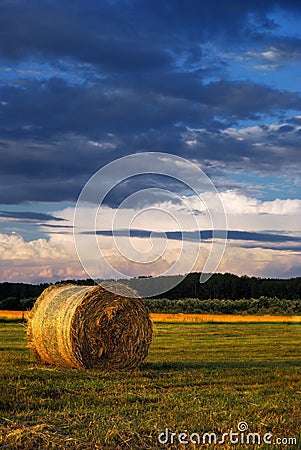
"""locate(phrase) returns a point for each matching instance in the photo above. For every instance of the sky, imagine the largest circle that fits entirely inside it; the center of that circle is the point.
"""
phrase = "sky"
(83, 84)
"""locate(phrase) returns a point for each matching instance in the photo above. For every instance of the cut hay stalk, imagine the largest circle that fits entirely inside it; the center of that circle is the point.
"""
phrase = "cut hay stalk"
(89, 327)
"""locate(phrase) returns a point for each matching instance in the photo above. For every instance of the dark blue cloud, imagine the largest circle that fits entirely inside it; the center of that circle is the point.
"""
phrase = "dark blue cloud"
(285, 129)
(203, 235)
(128, 76)
(126, 35)
(29, 216)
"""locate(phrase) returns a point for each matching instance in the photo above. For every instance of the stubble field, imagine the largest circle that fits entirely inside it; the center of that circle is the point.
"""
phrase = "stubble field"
(199, 378)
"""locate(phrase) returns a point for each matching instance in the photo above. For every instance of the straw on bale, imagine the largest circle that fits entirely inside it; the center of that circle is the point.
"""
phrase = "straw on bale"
(89, 327)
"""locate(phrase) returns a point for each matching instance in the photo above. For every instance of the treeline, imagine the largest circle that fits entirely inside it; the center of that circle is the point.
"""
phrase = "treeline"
(222, 286)
(226, 286)
(229, 286)
(261, 306)
(21, 296)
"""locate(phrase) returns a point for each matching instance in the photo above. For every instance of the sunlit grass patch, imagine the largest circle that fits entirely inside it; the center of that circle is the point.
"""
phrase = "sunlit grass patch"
(198, 377)
(220, 318)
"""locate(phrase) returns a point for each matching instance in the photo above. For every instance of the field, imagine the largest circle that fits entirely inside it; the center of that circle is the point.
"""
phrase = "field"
(157, 317)
(13, 315)
(223, 318)
(199, 377)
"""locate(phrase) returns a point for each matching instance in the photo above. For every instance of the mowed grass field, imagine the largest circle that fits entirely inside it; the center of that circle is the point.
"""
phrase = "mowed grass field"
(198, 378)
(180, 317)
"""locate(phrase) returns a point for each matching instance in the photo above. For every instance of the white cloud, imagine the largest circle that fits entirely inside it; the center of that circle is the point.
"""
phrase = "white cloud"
(256, 133)
(38, 260)
(235, 203)
(250, 214)
(36, 271)
(56, 258)
(271, 54)
(261, 262)
(13, 246)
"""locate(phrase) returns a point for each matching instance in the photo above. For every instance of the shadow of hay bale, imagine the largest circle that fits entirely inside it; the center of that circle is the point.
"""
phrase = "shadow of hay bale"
(90, 327)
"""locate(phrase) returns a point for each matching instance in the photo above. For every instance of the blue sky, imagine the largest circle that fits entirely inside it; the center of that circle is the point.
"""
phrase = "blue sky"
(85, 83)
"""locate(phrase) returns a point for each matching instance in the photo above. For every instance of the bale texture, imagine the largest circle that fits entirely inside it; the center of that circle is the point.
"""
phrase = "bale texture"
(89, 327)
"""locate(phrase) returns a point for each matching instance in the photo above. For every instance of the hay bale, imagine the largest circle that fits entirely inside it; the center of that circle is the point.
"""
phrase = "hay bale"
(89, 327)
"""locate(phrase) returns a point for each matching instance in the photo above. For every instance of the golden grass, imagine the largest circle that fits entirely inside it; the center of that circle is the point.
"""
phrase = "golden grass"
(181, 317)
(158, 317)
(5, 314)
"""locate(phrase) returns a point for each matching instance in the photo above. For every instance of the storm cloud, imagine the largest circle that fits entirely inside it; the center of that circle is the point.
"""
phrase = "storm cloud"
(83, 84)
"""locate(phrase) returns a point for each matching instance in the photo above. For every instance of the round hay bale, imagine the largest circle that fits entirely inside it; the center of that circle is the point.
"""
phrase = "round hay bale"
(89, 327)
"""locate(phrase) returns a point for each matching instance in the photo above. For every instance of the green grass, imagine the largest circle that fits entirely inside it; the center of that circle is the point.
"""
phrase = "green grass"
(198, 378)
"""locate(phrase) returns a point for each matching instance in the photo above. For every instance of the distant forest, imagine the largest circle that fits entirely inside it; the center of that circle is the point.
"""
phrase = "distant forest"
(222, 293)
